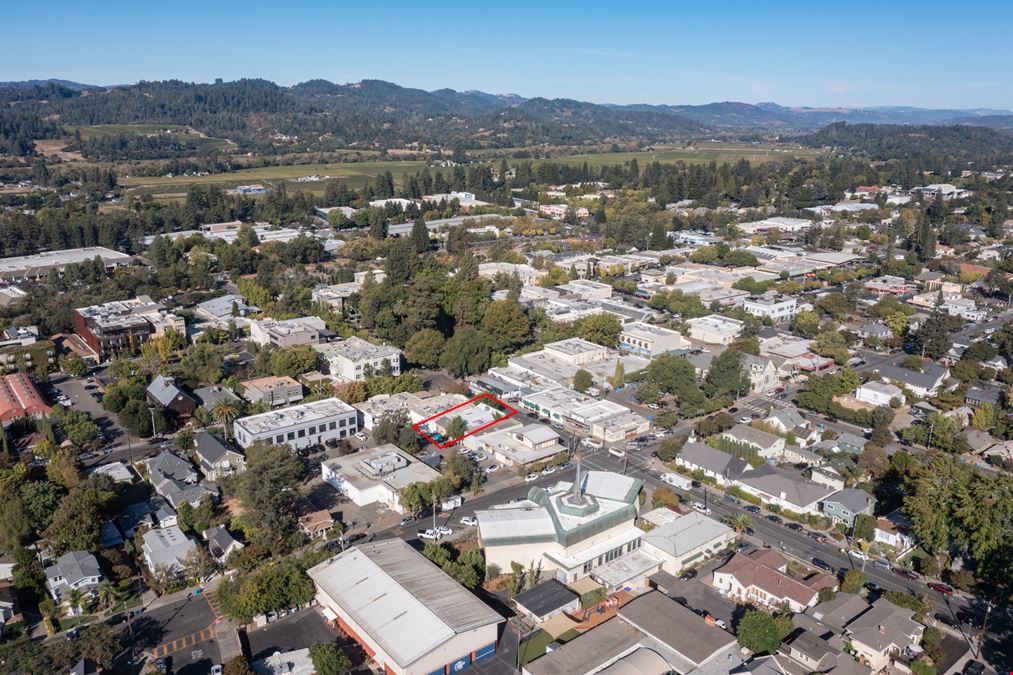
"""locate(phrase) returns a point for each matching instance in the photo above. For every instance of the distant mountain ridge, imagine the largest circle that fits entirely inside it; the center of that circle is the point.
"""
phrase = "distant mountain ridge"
(374, 114)
(67, 84)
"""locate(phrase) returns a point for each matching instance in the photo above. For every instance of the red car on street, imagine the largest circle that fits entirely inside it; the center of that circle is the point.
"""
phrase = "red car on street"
(906, 573)
(942, 589)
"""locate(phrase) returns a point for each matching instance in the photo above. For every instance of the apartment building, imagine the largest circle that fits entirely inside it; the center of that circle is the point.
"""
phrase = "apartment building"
(122, 326)
(355, 359)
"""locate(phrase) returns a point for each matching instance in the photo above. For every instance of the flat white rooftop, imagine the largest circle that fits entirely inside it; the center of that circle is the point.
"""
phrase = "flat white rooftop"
(305, 413)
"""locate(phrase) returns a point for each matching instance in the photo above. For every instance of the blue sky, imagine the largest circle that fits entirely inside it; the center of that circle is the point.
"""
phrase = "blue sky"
(927, 53)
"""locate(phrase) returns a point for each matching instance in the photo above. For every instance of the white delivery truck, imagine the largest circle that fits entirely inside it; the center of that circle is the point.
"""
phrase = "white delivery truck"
(677, 480)
(452, 503)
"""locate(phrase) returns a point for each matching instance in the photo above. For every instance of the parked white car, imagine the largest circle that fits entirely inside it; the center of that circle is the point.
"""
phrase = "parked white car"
(531, 478)
(469, 521)
(701, 508)
(859, 555)
(429, 535)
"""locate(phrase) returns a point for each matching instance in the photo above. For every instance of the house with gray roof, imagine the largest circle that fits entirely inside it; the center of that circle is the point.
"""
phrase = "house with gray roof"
(170, 465)
(687, 540)
(220, 310)
(875, 329)
(546, 600)
(766, 444)
(166, 548)
(221, 543)
(850, 443)
(217, 457)
(175, 480)
(721, 466)
(844, 505)
(789, 421)
(926, 382)
(209, 397)
(883, 632)
(785, 489)
(77, 570)
(164, 392)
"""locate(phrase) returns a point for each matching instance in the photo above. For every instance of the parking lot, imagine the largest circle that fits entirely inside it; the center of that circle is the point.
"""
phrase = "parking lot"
(296, 631)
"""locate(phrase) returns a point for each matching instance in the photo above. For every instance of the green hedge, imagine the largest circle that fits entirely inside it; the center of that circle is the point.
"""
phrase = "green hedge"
(736, 491)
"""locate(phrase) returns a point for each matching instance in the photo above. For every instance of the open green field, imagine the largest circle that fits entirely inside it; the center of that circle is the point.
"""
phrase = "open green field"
(180, 131)
(99, 130)
(358, 173)
(354, 173)
(700, 153)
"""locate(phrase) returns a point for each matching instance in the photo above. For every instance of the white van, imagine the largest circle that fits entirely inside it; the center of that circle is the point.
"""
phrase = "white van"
(592, 443)
(617, 453)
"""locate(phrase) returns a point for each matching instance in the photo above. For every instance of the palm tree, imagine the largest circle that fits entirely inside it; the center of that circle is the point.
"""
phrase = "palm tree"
(225, 413)
(74, 598)
(108, 594)
(740, 522)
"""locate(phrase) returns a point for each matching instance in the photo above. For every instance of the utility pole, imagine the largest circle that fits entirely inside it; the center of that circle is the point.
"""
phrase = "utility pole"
(984, 624)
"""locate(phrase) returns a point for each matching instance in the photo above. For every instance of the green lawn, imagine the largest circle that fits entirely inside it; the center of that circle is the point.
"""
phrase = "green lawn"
(535, 646)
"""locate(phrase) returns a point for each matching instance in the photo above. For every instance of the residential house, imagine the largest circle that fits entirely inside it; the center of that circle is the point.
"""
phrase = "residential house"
(826, 475)
(845, 505)
(894, 530)
(216, 457)
(166, 548)
(922, 383)
(879, 393)
(785, 489)
(209, 397)
(760, 577)
(221, 543)
(721, 466)
(170, 396)
(850, 443)
(316, 524)
(875, 329)
(73, 571)
(766, 444)
(983, 393)
(882, 632)
(788, 421)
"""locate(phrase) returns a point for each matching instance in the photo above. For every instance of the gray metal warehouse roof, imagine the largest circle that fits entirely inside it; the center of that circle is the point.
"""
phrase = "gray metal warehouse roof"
(405, 603)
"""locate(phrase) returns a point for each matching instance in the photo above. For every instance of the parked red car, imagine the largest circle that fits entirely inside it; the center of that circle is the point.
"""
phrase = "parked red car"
(906, 573)
(942, 589)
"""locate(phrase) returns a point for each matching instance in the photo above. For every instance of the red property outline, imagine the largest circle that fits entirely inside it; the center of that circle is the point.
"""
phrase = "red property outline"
(417, 426)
